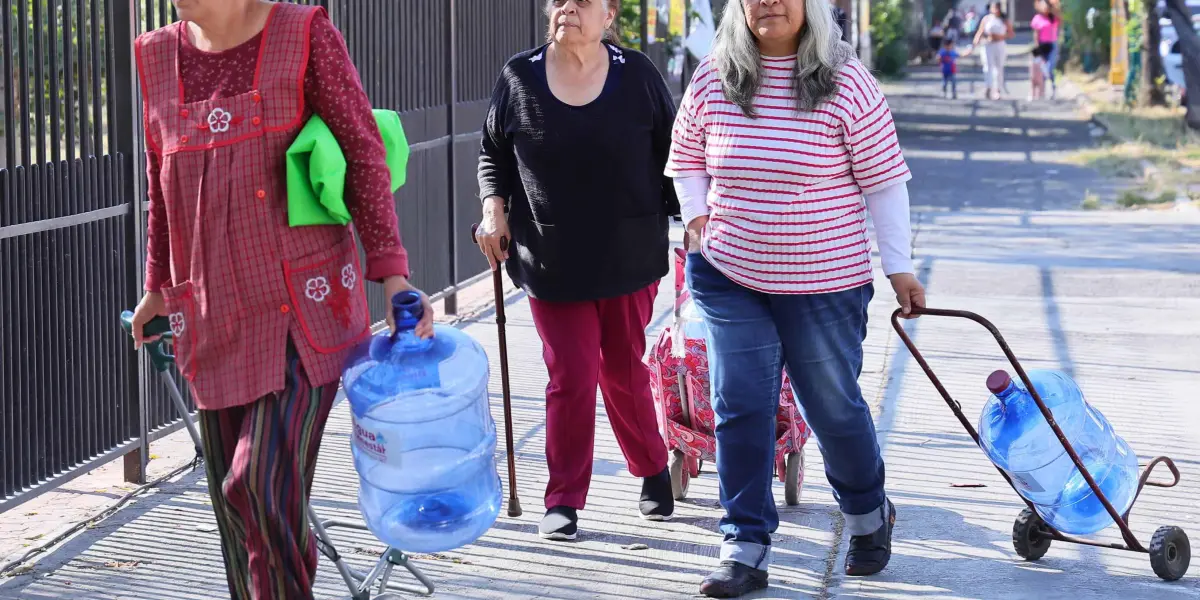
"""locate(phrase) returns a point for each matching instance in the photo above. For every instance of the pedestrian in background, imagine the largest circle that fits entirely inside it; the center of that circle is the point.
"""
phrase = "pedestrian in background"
(571, 171)
(263, 314)
(952, 24)
(948, 57)
(1037, 73)
(780, 135)
(1046, 24)
(971, 21)
(994, 32)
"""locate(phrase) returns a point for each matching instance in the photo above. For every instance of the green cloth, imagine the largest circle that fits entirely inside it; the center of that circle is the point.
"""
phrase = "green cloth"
(316, 170)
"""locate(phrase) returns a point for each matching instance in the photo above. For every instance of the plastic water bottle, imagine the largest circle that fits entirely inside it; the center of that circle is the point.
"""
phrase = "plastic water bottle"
(424, 440)
(1016, 437)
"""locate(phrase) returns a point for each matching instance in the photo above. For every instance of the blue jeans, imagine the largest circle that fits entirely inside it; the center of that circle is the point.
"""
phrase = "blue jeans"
(752, 336)
(950, 83)
(1051, 63)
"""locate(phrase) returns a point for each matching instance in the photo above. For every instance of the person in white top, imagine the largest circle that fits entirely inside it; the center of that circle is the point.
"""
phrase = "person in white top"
(782, 146)
(994, 32)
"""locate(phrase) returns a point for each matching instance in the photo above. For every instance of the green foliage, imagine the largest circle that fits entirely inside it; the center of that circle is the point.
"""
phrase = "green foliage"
(1088, 45)
(1135, 24)
(889, 20)
(1134, 199)
(629, 23)
(629, 27)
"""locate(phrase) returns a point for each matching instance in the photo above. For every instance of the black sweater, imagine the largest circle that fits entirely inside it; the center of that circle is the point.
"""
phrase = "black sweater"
(587, 201)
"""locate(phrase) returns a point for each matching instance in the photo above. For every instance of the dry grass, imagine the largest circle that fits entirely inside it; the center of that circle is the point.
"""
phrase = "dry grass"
(1148, 144)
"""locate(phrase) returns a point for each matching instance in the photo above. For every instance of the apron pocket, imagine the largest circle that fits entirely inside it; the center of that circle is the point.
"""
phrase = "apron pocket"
(181, 313)
(326, 289)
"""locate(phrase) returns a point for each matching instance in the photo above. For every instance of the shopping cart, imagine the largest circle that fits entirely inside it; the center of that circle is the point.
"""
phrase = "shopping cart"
(360, 584)
(1170, 551)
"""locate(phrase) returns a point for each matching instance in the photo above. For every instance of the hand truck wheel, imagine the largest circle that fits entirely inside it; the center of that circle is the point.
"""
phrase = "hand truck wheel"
(1029, 538)
(680, 476)
(1170, 553)
(791, 481)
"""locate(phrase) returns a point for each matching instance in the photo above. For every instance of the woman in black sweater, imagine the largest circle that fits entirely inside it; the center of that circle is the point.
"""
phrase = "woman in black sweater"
(570, 171)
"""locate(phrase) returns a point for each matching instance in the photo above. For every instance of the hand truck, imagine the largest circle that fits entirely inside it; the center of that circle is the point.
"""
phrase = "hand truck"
(360, 584)
(1170, 551)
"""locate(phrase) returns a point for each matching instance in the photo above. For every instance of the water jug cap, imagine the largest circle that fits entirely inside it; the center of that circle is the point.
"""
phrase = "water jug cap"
(407, 309)
(998, 382)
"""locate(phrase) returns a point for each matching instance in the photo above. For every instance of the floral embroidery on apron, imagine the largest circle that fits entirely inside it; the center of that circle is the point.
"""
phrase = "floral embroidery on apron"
(218, 120)
(177, 323)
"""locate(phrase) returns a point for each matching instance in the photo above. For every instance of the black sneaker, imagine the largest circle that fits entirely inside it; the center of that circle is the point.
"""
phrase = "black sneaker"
(733, 579)
(561, 523)
(869, 554)
(657, 502)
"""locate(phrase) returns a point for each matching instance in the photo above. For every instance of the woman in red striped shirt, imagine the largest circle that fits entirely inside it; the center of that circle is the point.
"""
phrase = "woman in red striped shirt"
(782, 146)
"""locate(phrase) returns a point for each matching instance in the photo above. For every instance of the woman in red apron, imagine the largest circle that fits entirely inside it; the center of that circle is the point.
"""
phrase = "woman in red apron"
(263, 314)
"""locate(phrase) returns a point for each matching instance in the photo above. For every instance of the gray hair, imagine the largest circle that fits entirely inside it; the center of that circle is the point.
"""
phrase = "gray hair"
(611, 35)
(821, 55)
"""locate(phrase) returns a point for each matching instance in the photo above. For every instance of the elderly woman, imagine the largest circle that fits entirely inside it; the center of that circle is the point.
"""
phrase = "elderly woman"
(263, 314)
(571, 171)
(782, 146)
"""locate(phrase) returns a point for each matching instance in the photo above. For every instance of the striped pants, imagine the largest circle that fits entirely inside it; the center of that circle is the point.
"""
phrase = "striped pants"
(260, 460)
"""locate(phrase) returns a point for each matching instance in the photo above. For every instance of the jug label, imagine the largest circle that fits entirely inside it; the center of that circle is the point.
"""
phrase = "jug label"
(1026, 482)
(373, 444)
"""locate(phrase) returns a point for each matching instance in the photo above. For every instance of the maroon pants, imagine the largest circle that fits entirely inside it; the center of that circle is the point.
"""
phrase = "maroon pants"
(585, 344)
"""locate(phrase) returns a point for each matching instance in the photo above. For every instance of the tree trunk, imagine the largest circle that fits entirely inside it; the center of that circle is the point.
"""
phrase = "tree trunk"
(918, 32)
(1189, 46)
(1150, 92)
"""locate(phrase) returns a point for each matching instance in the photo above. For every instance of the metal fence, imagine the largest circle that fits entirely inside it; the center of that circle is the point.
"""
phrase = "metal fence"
(73, 394)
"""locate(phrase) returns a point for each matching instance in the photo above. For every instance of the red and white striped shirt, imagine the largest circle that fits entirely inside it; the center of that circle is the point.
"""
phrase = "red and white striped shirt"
(786, 208)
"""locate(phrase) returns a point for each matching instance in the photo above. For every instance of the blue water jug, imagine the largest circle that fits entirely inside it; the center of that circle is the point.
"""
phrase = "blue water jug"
(424, 441)
(1017, 438)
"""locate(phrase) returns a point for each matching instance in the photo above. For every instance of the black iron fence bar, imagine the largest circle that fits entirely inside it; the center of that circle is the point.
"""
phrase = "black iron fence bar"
(10, 121)
(39, 76)
(23, 76)
(451, 304)
(126, 15)
(68, 61)
(98, 50)
(55, 126)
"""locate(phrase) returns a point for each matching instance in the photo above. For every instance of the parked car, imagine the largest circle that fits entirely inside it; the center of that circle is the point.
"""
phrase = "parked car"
(1172, 57)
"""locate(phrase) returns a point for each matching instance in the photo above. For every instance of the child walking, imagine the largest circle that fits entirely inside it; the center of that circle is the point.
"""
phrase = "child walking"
(1038, 64)
(949, 56)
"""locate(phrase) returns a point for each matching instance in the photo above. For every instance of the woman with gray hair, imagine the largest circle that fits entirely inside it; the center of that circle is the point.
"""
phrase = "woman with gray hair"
(782, 145)
(571, 171)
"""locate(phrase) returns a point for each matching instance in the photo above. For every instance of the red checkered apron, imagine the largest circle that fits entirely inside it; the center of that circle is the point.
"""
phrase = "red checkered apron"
(242, 281)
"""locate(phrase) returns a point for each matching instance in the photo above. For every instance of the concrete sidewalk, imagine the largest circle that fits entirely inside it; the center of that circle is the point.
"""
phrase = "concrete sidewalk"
(1111, 298)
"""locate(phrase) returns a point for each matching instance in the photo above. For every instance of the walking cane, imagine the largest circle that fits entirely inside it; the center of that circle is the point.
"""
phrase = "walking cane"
(514, 503)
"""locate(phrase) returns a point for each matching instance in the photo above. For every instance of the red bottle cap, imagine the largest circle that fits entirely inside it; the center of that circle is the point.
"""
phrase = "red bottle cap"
(998, 382)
